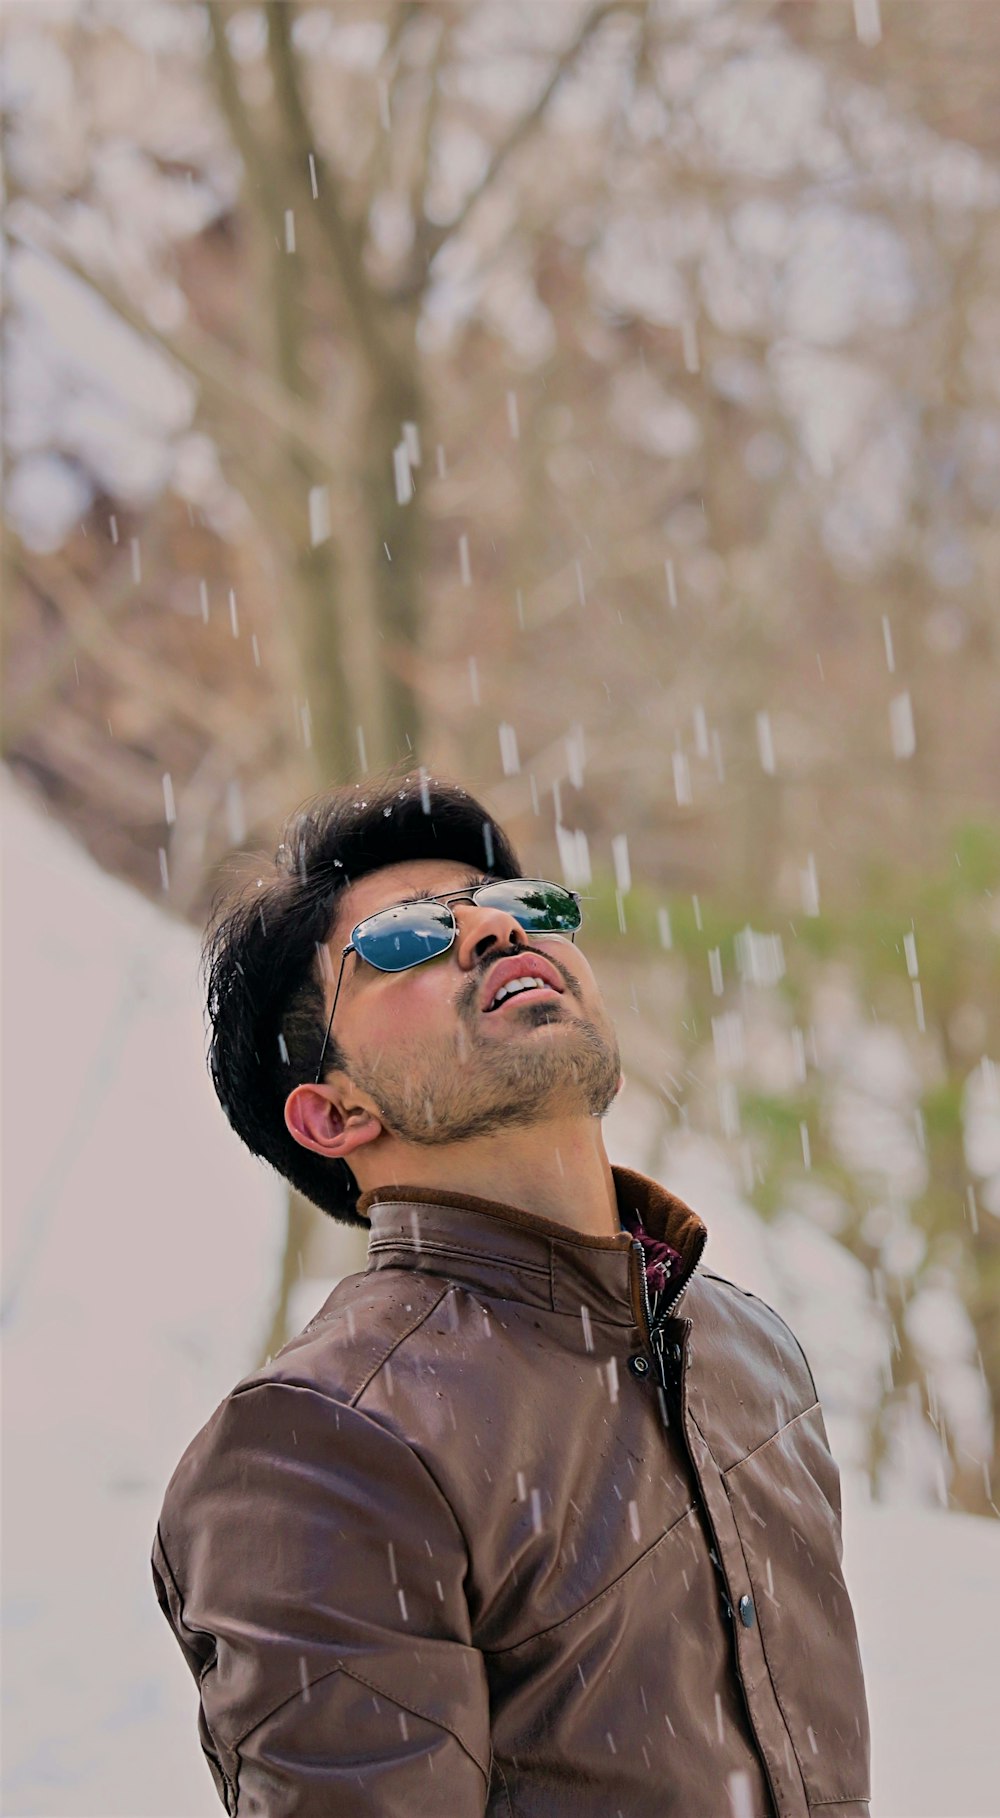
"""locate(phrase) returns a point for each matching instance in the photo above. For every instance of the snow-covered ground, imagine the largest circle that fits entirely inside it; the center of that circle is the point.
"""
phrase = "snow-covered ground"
(141, 1251)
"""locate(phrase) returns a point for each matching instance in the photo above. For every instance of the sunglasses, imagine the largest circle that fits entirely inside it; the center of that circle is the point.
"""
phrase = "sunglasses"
(394, 940)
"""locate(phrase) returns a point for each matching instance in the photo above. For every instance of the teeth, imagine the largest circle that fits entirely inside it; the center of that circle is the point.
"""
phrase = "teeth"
(516, 984)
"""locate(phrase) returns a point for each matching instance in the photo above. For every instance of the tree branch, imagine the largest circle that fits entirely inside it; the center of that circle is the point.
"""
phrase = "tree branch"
(422, 162)
(258, 167)
(227, 381)
(403, 15)
(263, 175)
(120, 589)
(127, 787)
(433, 238)
(363, 301)
(89, 630)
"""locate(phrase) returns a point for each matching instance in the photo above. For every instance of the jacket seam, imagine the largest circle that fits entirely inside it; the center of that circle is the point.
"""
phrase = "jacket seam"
(204, 1634)
(170, 1569)
(379, 1246)
(491, 1293)
(545, 1228)
(360, 1679)
(843, 1798)
(769, 1440)
(760, 1626)
(449, 1288)
(230, 1782)
(814, 1804)
(539, 1634)
(403, 1336)
(310, 1389)
(783, 1323)
(624, 1324)
(494, 1763)
(303, 1388)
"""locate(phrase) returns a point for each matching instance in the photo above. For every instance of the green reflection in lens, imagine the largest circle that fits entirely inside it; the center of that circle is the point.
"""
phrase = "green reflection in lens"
(538, 907)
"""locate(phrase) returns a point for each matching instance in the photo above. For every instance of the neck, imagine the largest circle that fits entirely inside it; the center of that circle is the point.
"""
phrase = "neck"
(557, 1170)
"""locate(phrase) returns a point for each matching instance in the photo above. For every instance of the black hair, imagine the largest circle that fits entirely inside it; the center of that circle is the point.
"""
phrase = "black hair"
(263, 953)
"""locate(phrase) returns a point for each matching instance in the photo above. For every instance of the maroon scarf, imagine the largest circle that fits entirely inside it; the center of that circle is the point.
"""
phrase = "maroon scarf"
(663, 1263)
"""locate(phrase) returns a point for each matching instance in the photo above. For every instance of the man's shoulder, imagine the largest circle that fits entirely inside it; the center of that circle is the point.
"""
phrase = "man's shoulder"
(352, 1338)
(310, 1397)
(735, 1313)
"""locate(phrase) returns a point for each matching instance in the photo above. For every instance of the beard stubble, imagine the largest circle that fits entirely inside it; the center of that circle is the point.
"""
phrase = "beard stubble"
(477, 1087)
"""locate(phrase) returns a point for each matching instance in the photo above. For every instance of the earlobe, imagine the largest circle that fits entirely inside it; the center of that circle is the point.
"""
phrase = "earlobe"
(319, 1122)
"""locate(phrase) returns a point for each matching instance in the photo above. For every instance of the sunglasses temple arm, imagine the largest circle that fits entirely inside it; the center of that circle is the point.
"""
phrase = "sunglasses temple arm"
(329, 1026)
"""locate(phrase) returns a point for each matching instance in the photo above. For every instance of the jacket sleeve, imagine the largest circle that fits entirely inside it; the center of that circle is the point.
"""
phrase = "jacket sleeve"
(313, 1574)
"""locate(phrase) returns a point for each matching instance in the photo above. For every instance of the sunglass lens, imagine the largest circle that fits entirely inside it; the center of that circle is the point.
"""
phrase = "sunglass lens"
(395, 939)
(540, 908)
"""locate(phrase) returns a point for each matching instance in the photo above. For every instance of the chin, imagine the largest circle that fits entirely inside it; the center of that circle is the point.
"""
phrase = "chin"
(547, 1014)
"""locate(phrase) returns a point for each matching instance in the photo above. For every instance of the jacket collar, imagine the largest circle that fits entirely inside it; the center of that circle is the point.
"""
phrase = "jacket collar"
(516, 1255)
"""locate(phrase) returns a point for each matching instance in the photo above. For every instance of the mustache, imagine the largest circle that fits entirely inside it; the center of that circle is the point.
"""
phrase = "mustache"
(468, 997)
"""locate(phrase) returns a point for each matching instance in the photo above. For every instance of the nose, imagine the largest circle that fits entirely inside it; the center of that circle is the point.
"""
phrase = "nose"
(482, 929)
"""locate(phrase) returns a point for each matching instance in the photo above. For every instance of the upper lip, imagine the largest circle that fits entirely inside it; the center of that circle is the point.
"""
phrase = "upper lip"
(524, 965)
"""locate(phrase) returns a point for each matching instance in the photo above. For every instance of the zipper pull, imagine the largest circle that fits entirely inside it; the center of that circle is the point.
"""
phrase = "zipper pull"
(660, 1372)
(655, 1336)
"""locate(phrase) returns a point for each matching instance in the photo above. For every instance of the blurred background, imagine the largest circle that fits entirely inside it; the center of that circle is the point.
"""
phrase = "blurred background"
(599, 403)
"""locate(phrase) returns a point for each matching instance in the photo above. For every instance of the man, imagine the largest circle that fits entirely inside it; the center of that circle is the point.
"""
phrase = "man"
(537, 1516)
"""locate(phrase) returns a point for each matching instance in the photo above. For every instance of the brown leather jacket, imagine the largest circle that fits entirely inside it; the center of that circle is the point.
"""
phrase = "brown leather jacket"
(477, 1542)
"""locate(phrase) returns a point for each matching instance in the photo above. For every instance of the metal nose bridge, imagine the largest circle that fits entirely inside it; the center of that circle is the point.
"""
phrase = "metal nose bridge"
(516, 936)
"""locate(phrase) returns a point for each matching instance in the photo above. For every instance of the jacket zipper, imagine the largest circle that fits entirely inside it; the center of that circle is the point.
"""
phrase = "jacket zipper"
(683, 1290)
(655, 1338)
(660, 1376)
(666, 1311)
(655, 1331)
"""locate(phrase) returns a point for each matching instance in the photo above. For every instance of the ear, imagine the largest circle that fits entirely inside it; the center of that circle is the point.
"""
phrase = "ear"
(331, 1119)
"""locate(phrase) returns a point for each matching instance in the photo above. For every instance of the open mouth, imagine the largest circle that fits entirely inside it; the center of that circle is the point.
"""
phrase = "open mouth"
(519, 975)
(518, 991)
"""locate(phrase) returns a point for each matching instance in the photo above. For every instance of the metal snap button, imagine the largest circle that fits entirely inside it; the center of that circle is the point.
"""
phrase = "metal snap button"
(639, 1365)
(748, 1614)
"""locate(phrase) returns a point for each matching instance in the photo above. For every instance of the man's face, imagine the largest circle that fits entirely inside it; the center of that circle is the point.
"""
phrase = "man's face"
(441, 1066)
